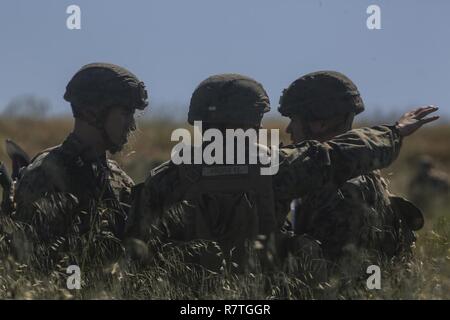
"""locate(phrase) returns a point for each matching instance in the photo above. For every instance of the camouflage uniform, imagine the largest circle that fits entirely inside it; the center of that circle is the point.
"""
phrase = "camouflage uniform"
(62, 171)
(304, 168)
(353, 219)
(69, 202)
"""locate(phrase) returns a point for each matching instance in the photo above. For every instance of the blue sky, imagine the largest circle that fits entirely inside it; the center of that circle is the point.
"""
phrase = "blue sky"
(172, 45)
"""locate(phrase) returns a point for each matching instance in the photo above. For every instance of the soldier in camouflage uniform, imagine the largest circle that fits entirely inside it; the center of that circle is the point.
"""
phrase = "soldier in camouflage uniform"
(357, 218)
(73, 191)
(236, 101)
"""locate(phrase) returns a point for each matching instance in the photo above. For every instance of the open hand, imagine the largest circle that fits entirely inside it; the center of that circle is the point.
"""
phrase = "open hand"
(411, 121)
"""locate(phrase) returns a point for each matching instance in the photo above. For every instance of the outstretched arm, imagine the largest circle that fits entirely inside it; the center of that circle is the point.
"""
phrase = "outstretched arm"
(312, 165)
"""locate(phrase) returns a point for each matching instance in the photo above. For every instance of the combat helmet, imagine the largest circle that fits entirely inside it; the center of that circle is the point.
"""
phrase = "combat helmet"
(98, 86)
(229, 98)
(321, 95)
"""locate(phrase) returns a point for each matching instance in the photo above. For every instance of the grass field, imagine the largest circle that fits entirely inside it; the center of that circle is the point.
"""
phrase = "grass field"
(426, 277)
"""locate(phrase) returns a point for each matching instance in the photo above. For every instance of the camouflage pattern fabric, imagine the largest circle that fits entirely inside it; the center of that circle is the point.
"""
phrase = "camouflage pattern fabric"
(304, 168)
(60, 198)
(355, 223)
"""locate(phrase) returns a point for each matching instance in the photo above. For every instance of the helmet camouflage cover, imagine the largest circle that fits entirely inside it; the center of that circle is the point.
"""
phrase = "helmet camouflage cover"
(106, 85)
(229, 99)
(321, 95)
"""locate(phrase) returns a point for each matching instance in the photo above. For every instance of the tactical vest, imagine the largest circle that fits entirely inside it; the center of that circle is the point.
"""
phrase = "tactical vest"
(229, 204)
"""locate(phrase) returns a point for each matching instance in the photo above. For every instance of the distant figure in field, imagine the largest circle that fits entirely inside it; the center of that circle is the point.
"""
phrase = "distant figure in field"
(429, 185)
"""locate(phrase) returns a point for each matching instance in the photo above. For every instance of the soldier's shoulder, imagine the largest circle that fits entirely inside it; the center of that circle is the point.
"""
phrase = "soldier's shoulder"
(158, 186)
(162, 177)
(163, 171)
(46, 172)
(47, 162)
